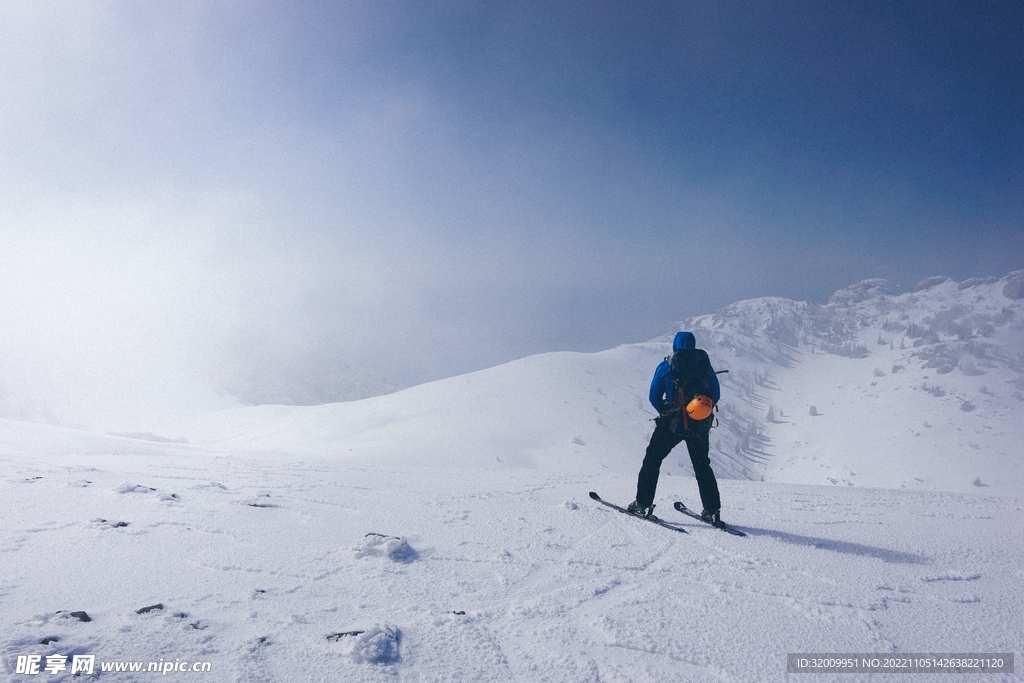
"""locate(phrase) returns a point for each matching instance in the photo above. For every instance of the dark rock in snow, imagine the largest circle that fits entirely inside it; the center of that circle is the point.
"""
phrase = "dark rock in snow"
(260, 501)
(116, 525)
(335, 637)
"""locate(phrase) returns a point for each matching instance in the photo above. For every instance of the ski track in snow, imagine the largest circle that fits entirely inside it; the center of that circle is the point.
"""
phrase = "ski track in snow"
(513, 575)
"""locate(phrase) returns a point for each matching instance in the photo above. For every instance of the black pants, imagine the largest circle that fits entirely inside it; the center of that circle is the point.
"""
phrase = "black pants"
(662, 442)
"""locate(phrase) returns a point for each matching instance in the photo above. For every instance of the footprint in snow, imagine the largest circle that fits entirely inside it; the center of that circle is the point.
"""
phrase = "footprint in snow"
(134, 488)
(951, 576)
(103, 522)
(215, 485)
(260, 500)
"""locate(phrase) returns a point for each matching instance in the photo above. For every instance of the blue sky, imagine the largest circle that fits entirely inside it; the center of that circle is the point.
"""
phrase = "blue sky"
(430, 188)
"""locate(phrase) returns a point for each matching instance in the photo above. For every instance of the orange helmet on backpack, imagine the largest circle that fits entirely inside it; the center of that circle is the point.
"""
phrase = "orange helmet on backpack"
(700, 407)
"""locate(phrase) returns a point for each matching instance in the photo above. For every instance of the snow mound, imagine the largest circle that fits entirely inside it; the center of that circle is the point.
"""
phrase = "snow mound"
(376, 645)
(394, 548)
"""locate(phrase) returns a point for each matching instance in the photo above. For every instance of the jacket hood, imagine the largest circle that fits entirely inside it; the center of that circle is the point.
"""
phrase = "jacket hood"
(684, 340)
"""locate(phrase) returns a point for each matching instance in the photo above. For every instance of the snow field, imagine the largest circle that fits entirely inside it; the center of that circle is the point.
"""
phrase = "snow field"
(495, 575)
(444, 533)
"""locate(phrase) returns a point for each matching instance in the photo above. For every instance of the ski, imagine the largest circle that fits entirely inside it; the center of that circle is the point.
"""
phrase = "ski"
(652, 518)
(724, 527)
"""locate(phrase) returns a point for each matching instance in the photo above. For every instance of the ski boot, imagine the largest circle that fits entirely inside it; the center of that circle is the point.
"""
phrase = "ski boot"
(713, 518)
(646, 512)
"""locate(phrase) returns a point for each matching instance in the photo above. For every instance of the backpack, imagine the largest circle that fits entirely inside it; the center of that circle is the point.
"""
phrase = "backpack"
(690, 372)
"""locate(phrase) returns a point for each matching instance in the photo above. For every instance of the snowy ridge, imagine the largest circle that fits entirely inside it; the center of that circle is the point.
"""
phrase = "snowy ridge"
(917, 389)
(556, 411)
(877, 387)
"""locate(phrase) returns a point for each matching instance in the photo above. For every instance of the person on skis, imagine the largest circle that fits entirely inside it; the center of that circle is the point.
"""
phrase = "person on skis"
(684, 391)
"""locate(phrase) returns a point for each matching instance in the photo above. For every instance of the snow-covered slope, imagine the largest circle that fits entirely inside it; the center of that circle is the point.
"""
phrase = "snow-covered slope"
(443, 532)
(915, 390)
(921, 389)
(559, 411)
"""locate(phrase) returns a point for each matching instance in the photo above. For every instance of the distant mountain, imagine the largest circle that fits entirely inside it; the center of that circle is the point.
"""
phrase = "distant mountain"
(878, 387)
(304, 379)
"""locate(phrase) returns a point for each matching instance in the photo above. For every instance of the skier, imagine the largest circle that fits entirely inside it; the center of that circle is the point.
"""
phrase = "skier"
(680, 391)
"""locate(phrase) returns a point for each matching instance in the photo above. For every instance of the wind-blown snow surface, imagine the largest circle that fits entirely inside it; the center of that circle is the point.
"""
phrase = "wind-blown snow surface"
(259, 561)
(449, 523)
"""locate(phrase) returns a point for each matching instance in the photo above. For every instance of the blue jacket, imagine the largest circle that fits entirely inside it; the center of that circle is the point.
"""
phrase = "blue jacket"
(661, 385)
